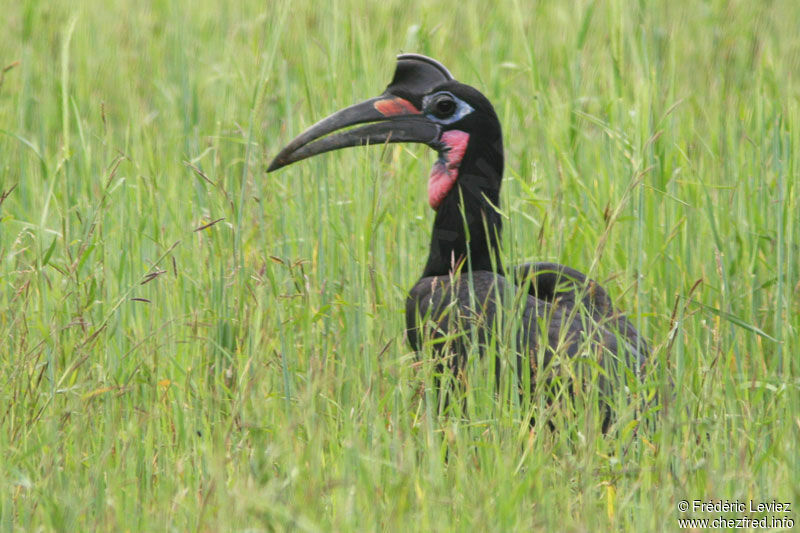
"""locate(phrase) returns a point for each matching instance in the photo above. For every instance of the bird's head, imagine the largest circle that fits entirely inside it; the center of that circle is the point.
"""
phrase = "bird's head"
(422, 104)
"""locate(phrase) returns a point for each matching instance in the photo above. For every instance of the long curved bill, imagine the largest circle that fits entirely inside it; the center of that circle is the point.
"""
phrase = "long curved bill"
(389, 119)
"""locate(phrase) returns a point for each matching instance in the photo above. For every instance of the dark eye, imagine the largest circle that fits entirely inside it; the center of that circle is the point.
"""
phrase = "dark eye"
(444, 106)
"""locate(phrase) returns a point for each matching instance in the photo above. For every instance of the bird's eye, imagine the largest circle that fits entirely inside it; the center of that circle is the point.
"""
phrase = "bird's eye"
(444, 106)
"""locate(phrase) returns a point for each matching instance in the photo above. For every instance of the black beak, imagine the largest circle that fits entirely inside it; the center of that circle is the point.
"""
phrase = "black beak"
(392, 120)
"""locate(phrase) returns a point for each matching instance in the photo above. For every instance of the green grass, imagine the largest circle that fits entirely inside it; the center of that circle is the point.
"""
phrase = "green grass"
(253, 374)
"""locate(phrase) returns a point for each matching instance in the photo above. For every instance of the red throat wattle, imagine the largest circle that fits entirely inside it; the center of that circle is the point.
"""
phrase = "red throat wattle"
(445, 171)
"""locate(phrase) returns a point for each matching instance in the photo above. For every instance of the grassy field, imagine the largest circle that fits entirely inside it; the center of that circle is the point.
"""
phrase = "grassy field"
(188, 343)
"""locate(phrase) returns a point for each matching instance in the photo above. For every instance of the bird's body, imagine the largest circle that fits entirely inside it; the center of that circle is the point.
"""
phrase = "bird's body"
(465, 288)
(573, 308)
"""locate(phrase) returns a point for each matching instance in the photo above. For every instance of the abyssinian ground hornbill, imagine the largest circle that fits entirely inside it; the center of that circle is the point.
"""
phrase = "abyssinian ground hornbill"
(464, 286)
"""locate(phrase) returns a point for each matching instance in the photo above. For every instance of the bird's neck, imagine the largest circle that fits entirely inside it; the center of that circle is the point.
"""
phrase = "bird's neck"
(467, 226)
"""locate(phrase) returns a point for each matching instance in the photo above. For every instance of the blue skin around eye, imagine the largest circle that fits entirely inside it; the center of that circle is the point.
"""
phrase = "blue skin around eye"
(462, 109)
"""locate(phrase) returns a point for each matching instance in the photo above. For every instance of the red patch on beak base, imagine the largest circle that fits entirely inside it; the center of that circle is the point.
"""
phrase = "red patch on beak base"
(445, 171)
(389, 107)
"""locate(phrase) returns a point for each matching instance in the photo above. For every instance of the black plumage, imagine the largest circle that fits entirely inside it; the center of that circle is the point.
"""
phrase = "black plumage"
(464, 283)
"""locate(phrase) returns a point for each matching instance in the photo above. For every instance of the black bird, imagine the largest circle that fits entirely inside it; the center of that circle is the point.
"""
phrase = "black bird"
(464, 281)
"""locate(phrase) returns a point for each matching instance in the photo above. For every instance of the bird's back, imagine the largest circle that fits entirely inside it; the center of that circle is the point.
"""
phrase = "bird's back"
(548, 311)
